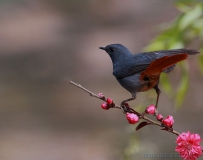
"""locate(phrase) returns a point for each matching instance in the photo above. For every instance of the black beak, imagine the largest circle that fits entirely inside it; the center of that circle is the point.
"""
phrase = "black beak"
(104, 48)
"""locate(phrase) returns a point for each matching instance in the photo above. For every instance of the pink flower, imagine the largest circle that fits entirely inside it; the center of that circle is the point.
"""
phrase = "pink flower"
(159, 117)
(150, 109)
(188, 146)
(105, 106)
(132, 118)
(169, 121)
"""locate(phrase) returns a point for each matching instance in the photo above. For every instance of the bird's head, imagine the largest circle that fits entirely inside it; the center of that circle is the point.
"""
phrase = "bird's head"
(115, 50)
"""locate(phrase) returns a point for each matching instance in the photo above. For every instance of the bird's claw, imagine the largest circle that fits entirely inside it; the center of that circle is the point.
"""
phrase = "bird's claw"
(124, 107)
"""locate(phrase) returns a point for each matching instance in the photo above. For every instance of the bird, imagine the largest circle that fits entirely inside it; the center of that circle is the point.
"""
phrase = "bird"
(141, 72)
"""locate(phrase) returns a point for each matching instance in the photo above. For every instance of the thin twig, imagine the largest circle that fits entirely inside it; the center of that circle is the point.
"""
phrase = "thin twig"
(92, 94)
(86, 90)
(161, 125)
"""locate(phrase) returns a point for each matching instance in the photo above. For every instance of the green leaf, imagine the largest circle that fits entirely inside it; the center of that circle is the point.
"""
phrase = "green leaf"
(198, 27)
(177, 45)
(190, 17)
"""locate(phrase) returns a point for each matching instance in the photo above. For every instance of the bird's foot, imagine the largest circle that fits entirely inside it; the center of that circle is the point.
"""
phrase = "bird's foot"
(125, 107)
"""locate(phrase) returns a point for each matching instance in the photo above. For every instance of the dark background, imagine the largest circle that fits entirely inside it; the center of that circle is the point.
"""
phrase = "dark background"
(45, 44)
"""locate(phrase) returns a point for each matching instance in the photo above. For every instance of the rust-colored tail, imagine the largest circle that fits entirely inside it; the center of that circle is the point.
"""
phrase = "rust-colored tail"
(157, 66)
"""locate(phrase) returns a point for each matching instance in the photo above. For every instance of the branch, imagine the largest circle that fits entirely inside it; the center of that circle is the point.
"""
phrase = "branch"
(131, 110)
(93, 94)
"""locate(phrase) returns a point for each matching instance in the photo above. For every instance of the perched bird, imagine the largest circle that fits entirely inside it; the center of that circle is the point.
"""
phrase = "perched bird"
(141, 72)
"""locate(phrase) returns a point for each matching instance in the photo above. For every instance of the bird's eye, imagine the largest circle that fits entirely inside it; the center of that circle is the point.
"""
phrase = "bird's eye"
(111, 49)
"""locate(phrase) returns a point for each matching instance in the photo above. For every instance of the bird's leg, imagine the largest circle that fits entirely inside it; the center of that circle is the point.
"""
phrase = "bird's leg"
(158, 91)
(125, 106)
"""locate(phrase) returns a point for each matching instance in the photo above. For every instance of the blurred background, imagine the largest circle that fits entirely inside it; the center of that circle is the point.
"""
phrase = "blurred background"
(46, 43)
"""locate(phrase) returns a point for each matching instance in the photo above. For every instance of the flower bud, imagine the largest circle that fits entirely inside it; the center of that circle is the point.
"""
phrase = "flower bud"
(150, 109)
(159, 117)
(132, 118)
(101, 95)
(105, 106)
(109, 101)
(169, 121)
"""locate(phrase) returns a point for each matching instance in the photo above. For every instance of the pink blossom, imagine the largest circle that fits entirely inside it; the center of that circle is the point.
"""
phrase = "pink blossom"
(151, 109)
(132, 118)
(169, 121)
(188, 146)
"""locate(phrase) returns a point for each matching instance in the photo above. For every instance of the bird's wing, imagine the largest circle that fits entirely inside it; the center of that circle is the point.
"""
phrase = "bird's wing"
(141, 61)
(157, 66)
(172, 52)
(137, 64)
(129, 70)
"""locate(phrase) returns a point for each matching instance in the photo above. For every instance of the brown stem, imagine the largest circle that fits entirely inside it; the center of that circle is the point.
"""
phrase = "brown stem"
(160, 124)
(92, 94)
